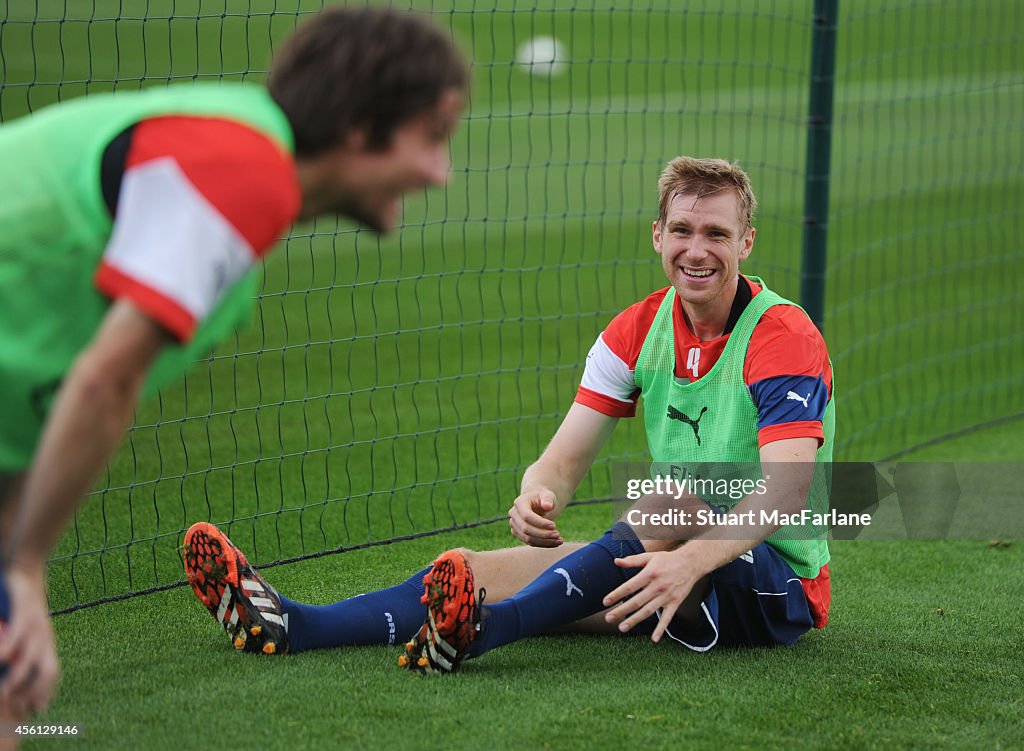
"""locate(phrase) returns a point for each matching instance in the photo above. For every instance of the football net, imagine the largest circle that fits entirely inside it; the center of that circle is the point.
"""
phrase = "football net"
(397, 387)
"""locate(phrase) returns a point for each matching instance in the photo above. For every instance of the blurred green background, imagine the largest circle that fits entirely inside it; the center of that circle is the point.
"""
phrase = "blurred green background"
(394, 386)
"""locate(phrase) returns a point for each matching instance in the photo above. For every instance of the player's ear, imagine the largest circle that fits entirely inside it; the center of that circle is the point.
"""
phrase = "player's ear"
(350, 143)
(656, 235)
(354, 140)
(747, 243)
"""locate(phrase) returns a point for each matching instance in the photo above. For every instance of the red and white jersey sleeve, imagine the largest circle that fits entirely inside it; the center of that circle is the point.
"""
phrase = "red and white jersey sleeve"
(609, 380)
(201, 201)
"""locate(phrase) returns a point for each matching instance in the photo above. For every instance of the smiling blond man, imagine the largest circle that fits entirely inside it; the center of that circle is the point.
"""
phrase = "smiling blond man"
(716, 357)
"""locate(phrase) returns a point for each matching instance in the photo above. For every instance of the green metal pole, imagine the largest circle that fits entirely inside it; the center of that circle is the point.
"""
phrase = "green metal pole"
(819, 148)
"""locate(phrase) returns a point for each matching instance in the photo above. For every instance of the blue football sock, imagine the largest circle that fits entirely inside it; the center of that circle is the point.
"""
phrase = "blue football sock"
(571, 589)
(387, 616)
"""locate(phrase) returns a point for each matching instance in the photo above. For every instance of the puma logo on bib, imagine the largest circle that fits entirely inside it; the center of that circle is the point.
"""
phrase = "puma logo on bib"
(675, 414)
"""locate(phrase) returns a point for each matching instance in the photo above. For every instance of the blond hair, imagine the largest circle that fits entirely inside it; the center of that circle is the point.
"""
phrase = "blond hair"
(703, 177)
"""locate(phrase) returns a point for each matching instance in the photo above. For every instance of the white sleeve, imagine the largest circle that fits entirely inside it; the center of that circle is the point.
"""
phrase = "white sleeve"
(170, 240)
(607, 374)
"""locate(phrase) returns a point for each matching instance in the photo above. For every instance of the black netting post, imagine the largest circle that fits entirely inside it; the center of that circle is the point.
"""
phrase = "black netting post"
(819, 146)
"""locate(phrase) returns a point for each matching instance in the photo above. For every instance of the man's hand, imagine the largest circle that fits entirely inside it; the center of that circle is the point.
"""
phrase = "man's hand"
(667, 579)
(90, 415)
(529, 522)
(27, 645)
(548, 483)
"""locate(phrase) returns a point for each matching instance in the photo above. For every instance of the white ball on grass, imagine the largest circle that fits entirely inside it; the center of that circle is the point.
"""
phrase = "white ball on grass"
(541, 56)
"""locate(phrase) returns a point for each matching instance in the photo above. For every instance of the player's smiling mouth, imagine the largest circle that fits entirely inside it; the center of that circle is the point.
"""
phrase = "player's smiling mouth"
(697, 273)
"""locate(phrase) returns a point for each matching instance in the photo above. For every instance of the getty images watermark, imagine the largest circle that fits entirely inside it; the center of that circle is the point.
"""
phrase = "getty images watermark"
(733, 488)
(840, 500)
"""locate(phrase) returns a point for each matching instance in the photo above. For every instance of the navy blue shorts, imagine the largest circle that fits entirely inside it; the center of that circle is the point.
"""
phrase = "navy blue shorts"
(755, 601)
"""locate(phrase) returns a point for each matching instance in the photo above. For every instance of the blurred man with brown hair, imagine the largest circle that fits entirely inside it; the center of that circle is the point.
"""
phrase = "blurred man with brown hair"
(135, 242)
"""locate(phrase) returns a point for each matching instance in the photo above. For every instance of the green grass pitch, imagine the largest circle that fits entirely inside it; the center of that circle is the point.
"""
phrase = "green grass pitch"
(387, 387)
(925, 658)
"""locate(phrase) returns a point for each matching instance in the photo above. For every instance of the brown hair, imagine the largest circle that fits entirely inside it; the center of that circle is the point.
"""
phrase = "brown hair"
(370, 68)
(702, 177)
